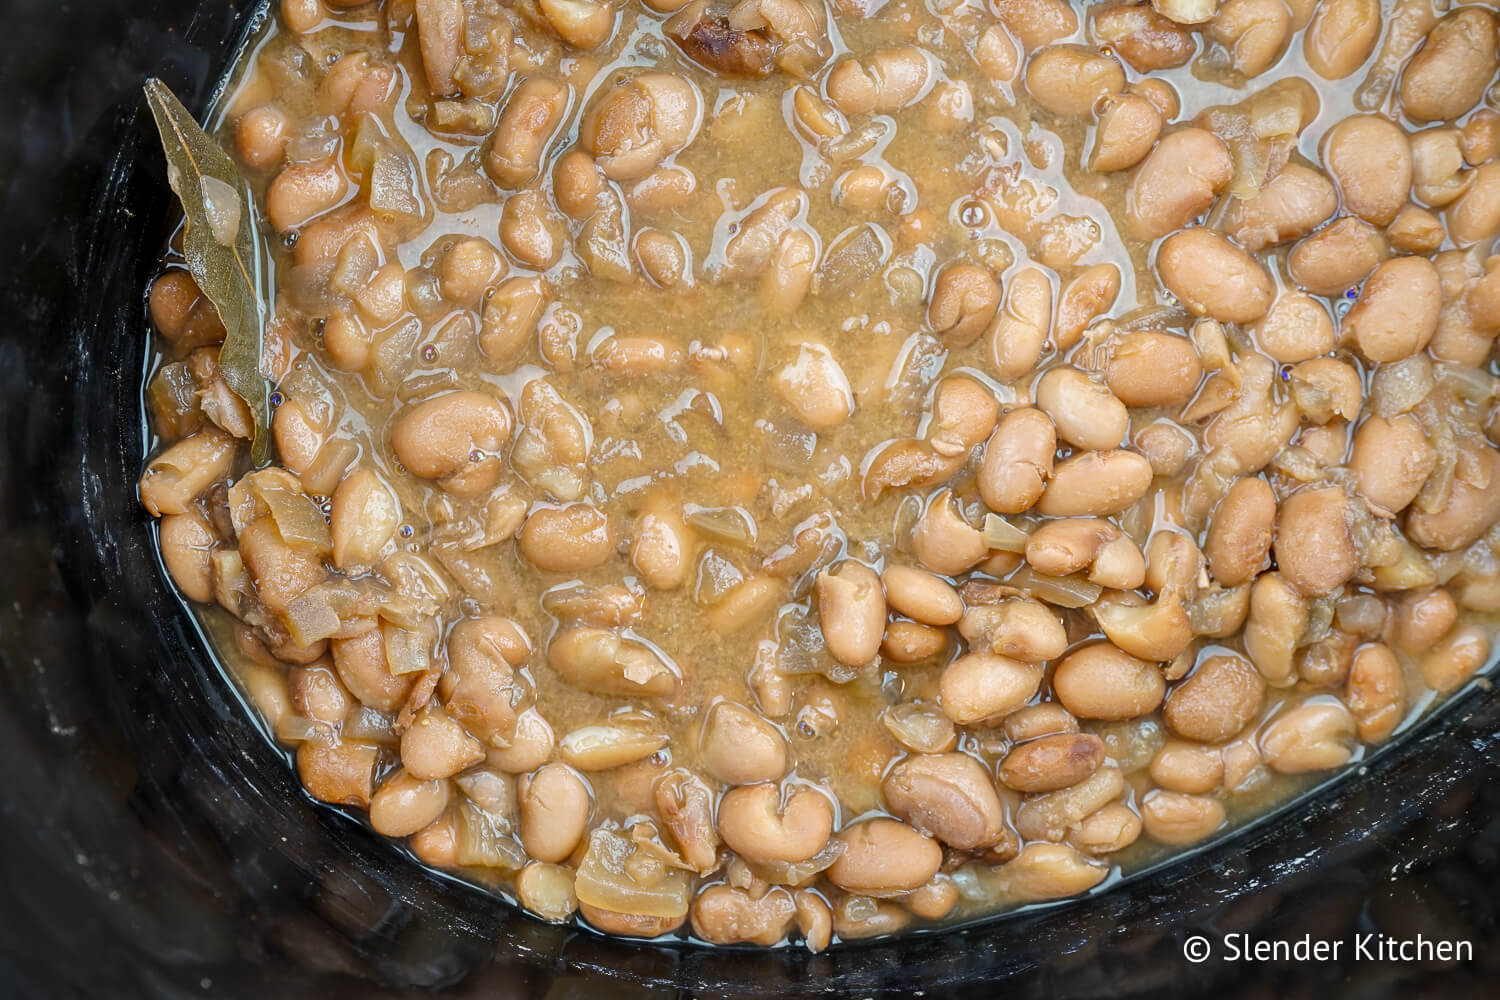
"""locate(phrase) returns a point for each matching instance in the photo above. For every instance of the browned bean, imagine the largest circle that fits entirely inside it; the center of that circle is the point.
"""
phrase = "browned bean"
(1099, 681)
(1341, 36)
(882, 856)
(1371, 162)
(950, 796)
(1218, 699)
(1052, 762)
(1176, 183)
(1447, 75)
(1240, 531)
(1142, 37)
(1213, 277)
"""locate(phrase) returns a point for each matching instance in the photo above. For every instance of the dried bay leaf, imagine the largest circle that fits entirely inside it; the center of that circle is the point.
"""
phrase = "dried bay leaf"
(224, 249)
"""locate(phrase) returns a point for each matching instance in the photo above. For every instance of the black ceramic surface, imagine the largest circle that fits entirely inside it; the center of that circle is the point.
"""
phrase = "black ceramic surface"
(152, 844)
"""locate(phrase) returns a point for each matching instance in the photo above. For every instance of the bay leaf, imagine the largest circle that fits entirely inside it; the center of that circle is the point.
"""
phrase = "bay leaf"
(224, 247)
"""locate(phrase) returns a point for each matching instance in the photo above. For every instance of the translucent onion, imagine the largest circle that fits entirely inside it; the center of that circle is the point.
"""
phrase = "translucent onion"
(1062, 591)
(999, 534)
(604, 880)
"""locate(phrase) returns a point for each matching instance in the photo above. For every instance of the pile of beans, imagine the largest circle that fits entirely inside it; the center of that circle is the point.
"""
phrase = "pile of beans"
(784, 468)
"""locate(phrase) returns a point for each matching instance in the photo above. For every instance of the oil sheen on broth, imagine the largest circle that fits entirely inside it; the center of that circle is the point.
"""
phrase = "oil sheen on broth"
(773, 470)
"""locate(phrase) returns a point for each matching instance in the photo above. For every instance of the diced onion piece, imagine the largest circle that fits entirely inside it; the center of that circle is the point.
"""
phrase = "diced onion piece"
(223, 206)
(407, 651)
(1001, 535)
(484, 840)
(368, 725)
(604, 880)
(1062, 591)
(300, 729)
(298, 519)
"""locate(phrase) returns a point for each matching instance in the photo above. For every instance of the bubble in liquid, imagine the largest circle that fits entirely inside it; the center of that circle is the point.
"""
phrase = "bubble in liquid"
(429, 353)
(277, 399)
(407, 531)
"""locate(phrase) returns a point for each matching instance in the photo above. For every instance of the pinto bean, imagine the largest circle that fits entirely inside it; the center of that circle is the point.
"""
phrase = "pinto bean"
(1036, 23)
(1085, 298)
(1142, 37)
(725, 915)
(1316, 735)
(1447, 75)
(756, 824)
(187, 544)
(1019, 333)
(1187, 768)
(526, 127)
(885, 81)
(1391, 460)
(1337, 257)
(555, 807)
(1017, 461)
(949, 796)
(882, 856)
(633, 126)
(1475, 216)
(964, 300)
(1423, 619)
(405, 804)
(1176, 183)
(1341, 36)
(739, 747)
(340, 773)
(1371, 162)
(303, 191)
(1149, 368)
(1096, 484)
(979, 686)
(567, 539)
(815, 387)
(1051, 762)
(1178, 819)
(1288, 206)
(943, 541)
(1070, 79)
(1296, 328)
(1085, 413)
(179, 475)
(1376, 692)
(1099, 681)
(1126, 129)
(1050, 871)
(1469, 512)
(1050, 815)
(1253, 31)
(1240, 531)
(1314, 545)
(1111, 828)
(453, 438)
(1218, 699)
(1456, 658)
(851, 613)
(1213, 277)
(924, 596)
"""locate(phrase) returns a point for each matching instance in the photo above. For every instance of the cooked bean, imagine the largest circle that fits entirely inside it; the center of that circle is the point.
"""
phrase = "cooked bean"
(912, 642)
(525, 129)
(1085, 413)
(1051, 762)
(510, 318)
(1253, 31)
(637, 124)
(1314, 545)
(1127, 127)
(1017, 461)
(943, 541)
(1371, 162)
(726, 915)
(921, 595)
(339, 773)
(964, 301)
(1084, 299)
(1469, 512)
(479, 686)
(1148, 368)
(453, 437)
(1174, 818)
(437, 746)
(1341, 36)
(815, 387)
(950, 796)
(603, 662)
(1142, 37)
(1337, 257)
(1070, 79)
(187, 544)
(555, 807)
(1166, 447)
(547, 891)
(887, 80)
(405, 804)
(1050, 871)
(1187, 768)
(1288, 206)
(1017, 628)
(362, 667)
(1423, 619)
(759, 827)
(567, 539)
(1176, 183)
(1447, 75)
(1397, 312)
(979, 686)
(1296, 328)
(1051, 815)
(739, 747)
(1019, 333)
(1314, 736)
(1096, 484)
(1475, 216)
(851, 612)
(1218, 699)
(1456, 658)
(1213, 277)
(882, 856)
(1111, 828)
(1240, 532)
(176, 477)
(303, 191)
(1376, 692)
(1099, 681)
(1391, 460)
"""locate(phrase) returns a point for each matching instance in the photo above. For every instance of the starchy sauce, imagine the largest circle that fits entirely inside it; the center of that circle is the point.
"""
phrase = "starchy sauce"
(773, 470)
